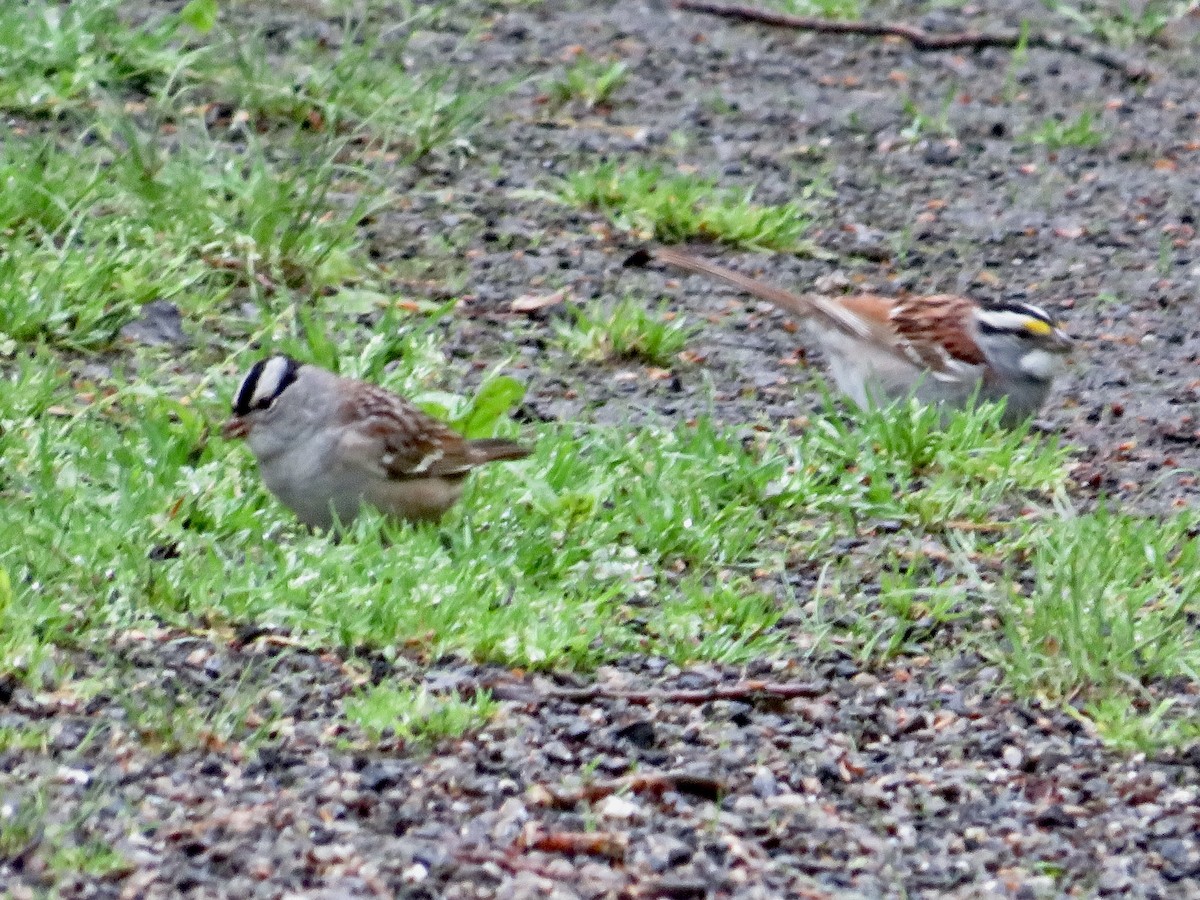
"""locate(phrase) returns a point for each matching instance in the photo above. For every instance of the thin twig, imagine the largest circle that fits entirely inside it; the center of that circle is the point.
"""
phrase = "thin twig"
(742, 690)
(575, 843)
(984, 527)
(653, 783)
(920, 39)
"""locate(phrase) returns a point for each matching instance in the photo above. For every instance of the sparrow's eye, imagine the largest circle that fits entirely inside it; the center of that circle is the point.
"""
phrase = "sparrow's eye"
(265, 381)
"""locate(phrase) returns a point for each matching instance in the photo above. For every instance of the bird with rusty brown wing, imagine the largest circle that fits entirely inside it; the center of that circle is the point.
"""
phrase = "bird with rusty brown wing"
(943, 349)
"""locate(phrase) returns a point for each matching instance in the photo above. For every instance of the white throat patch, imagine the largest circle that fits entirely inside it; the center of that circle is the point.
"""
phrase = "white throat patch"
(1041, 364)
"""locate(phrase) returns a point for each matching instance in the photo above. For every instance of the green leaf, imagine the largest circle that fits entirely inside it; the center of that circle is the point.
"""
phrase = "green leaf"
(5, 590)
(200, 14)
(439, 404)
(495, 398)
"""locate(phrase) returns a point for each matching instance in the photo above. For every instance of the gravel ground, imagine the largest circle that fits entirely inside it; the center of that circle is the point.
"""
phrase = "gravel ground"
(919, 779)
(923, 778)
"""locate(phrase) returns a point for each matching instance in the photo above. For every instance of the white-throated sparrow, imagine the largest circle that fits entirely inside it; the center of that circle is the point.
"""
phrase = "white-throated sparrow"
(942, 349)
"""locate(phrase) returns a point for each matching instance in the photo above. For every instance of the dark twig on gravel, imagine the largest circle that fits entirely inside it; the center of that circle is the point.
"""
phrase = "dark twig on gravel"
(742, 690)
(572, 843)
(920, 39)
(652, 783)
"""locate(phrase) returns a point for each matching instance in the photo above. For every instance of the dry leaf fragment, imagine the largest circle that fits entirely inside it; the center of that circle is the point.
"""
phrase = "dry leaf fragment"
(528, 303)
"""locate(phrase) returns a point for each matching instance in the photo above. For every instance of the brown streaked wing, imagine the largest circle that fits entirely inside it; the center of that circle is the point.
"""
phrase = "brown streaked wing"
(409, 443)
(937, 329)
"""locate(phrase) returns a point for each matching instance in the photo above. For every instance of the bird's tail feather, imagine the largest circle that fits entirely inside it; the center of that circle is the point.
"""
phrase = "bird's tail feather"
(487, 450)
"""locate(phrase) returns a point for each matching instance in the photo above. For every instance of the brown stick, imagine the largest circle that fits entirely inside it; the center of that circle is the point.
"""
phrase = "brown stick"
(743, 690)
(653, 783)
(575, 843)
(920, 39)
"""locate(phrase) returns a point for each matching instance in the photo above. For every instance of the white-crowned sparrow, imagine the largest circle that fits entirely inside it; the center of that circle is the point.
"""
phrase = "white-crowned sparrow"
(327, 444)
(942, 349)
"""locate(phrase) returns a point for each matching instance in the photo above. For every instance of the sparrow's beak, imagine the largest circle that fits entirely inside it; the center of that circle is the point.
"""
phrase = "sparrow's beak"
(237, 427)
(1063, 342)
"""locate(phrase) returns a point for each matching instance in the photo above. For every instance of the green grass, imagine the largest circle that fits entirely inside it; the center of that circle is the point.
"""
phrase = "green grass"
(1057, 135)
(93, 235)
(29, 824)
(627, 330)
(666, 540)
(916, 469)
(923, 124)
(94, 859)
(102, 219)
(544, 564)
(21, 822)
(1096, 624)
(1127, 26)
(1142, 725)
(848, 10)
(1104, 622)
(365, 87)
(680, 207)
(64, 58)
(534, 573)
(28, 738)
(588, 82)
(74, 59)
(416, 715)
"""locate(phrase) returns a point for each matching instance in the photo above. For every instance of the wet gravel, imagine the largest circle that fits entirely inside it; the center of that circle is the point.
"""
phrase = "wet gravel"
(920, 778)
